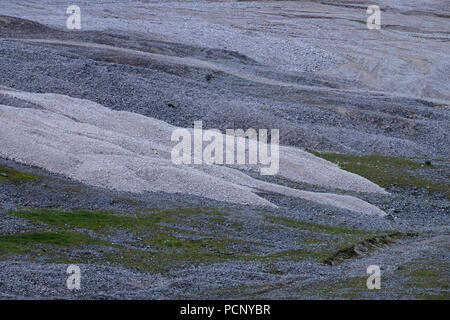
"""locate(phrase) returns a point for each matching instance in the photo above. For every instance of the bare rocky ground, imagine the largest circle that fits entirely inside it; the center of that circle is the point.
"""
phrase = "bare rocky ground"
(170, 246)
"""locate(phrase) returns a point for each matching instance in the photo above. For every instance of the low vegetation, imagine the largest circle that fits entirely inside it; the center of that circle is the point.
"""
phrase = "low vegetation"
(164, 238)
(26, 242)
(336, 243)
(159, 240)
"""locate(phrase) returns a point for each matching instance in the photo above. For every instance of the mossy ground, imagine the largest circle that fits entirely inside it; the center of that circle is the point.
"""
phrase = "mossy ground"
(328, 239)
(171, 238)
(167, 244)
(426, 278)
(7, 173)
(386, 171)
(23, 242)
(418, 279)
(167, 239)
(350, 288)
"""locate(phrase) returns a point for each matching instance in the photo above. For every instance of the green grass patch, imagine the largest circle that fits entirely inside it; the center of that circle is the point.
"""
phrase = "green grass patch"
(94, 220)
(24, 242)
(385, 170)
(252, 292)
(335, 239)
(156, 227)
(161, 230)
(164, 261)
(351, 288)
(426, 278)
(425, 275)
(272, 269)
(296, 255)
(322, 228)
(99, 220)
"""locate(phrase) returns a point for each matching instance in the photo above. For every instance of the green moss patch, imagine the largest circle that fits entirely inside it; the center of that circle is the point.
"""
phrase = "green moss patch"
(24, 242)
(99, 220)
(315, 227)
(7, 173)
(167, 244)
(351, 288)
(295, 255)
(338, 242)
(426, 278)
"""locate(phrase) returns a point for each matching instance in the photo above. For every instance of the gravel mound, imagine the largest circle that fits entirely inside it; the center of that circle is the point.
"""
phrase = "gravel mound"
(129, 152)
